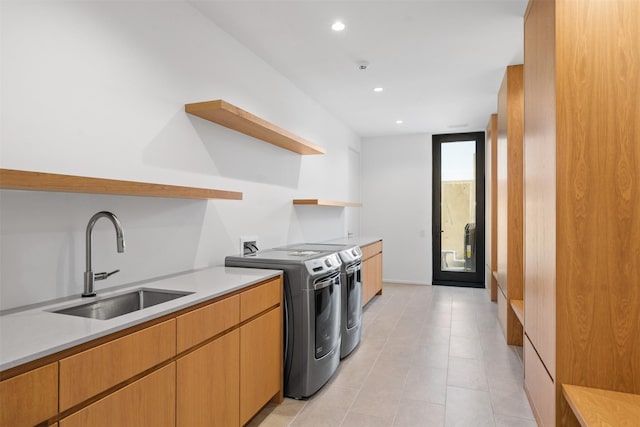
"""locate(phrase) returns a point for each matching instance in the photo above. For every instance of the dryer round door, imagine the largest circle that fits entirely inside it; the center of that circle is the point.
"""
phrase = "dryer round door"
(327, 314)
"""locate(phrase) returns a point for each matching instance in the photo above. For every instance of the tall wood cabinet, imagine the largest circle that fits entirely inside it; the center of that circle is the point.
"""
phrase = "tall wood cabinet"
(509, 201)
(491, 196)
(582, 200)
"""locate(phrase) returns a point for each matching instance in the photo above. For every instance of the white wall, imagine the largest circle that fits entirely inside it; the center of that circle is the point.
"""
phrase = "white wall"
(98, 89)
(396, 194)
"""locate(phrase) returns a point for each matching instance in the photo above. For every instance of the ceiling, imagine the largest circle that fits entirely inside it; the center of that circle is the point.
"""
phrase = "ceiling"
(440, 62)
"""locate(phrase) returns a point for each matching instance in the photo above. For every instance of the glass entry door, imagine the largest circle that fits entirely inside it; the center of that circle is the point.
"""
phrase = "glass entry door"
(458, 209)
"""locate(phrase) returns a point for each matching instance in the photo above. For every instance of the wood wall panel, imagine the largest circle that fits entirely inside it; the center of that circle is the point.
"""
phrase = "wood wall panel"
(598, 184)
(540, 181)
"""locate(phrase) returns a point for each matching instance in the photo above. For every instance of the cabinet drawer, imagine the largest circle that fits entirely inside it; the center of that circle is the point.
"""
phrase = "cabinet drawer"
(260, 298)
(206, 322)
(30, 398)
(150, 401)
(372, 249)
(95, 370)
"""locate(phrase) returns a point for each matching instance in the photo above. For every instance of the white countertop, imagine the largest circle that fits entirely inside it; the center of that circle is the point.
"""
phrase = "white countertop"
(360, 241)
(36, 332)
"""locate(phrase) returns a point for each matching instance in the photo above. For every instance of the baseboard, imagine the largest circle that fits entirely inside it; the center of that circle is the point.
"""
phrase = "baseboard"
(405, 282)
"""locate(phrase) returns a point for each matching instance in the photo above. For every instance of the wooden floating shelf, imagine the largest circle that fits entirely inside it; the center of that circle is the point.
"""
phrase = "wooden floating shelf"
(518, 308)
(232, 117)
(39, 181)
(595, 407)
(318, 202)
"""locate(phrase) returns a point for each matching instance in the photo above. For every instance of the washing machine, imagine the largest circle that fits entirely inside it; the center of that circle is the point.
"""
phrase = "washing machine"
(312, 310)
(351, 279)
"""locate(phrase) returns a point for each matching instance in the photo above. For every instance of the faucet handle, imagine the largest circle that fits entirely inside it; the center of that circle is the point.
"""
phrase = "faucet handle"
(104, 275)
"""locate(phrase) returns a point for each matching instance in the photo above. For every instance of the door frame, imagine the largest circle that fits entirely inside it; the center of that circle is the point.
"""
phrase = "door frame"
(458, 278)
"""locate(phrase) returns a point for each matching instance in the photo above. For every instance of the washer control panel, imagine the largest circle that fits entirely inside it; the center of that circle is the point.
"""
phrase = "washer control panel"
(323, 265)
(351, 254)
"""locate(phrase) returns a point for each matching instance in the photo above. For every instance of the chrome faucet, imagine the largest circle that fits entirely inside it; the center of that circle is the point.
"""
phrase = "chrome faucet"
(89, 276)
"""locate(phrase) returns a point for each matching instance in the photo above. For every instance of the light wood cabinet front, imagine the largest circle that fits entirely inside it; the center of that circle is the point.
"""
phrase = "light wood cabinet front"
(540, 181)
(371, 278)
(199, 325)
(260, 362)
(510, 197)
(372, 249)
(226, 370)
(260, 298)
(30, 398)
(582, 299)
(538, 383)
(95, 370)
(371, 271)
(149, 401)
(208, 384)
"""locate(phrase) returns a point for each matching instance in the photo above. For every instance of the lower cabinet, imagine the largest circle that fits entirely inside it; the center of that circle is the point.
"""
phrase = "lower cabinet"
(150, 401)
(260, 363)
(30, 398)
(228, 366)
(371, 277)
(208, 384)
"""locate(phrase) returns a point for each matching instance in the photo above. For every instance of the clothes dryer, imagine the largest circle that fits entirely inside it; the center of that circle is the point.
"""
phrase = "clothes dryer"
(351, 312)
(312, 293)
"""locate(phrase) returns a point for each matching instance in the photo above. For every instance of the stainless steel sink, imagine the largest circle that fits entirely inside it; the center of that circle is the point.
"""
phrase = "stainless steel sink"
(108, 308)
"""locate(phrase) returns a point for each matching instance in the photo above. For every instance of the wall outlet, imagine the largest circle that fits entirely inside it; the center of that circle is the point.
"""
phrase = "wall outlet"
(248, 244)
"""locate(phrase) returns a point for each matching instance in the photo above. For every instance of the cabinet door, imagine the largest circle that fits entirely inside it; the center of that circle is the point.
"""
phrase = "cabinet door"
(367, 281)
(371, 278)
(540, 183)
(208, 384)
(150, 401)
(30, 398)
(260, 362)
(377, 274)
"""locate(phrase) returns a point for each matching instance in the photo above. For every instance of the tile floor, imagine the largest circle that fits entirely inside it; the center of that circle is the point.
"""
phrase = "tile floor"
(429, 356)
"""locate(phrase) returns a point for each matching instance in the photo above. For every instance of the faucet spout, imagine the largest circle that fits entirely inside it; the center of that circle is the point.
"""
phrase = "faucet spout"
(89, 276)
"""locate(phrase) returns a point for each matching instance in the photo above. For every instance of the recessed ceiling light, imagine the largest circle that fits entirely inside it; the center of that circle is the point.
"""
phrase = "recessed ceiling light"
(338, 26)
(378, 89)
(460, 125)
(399, 122)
